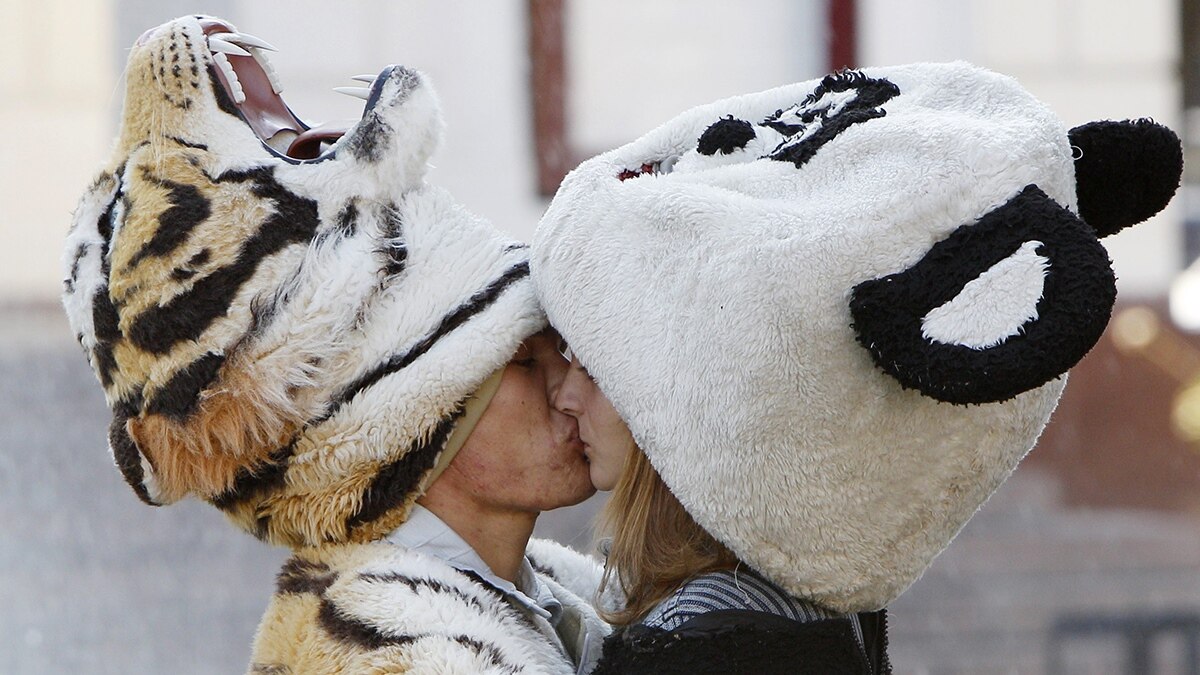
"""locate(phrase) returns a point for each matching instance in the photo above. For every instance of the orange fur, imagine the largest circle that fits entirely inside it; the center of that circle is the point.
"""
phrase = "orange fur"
(233, 428)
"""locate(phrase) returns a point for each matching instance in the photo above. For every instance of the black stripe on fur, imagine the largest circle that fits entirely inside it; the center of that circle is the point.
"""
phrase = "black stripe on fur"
(416, 584)
(477, 303)
(350, 630)
(105, 326)
(347, 220)
(179, 397)
(346, 629)
(250, 484)
(73, 275)
(490, 652)
(105, 319)
(125, 452)
(301, 576)
(225, 103)
(189, 208)
(186, 316)
(393, 249)
(396, 481)
(187, 144)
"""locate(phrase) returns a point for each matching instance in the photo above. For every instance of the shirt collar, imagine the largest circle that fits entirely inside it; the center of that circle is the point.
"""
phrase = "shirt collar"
(425, 532)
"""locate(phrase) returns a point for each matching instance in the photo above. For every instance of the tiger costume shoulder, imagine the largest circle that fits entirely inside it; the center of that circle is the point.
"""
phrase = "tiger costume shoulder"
(355, 607)
(287, 321)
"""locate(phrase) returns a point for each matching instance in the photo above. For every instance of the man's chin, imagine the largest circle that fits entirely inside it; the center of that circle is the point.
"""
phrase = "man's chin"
(577, 497)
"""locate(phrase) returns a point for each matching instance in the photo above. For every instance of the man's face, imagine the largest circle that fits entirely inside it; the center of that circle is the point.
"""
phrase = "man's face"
(523, 454)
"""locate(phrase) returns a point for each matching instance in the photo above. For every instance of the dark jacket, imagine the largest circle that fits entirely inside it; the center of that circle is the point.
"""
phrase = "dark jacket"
(743, 641)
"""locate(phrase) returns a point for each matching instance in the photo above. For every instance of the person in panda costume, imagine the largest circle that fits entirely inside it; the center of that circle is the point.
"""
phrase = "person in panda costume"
(813, 329)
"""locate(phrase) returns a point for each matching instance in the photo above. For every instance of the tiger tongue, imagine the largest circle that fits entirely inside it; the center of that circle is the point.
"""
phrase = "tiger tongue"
(308, 144)
(263, 109)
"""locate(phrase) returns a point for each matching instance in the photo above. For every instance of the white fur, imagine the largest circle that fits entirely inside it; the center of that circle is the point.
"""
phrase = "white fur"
(711, 306)
(440, 614)
(993, 307)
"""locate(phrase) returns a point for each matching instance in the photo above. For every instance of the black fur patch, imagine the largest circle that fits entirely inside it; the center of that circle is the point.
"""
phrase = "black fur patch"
(1078, 295)
(188, 144)
(191, 269)
(188, 315)
(725, 136)
(189, 208)
(104, 226)
(397, 480)
(347, 220)
(179, 397)
(369, 140)
(252, 484)
(125, 452)
(225, 103)
(346, 629)
(871, 93)
(1127, 172)
(489, 652)
(106, 326)
(416, 585)
(353, 631)
(478, 302)
(81, 252)
(394, 251)
(301, 576)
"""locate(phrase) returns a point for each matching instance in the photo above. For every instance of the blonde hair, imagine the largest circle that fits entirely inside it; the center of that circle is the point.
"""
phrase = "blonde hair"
(656, 545)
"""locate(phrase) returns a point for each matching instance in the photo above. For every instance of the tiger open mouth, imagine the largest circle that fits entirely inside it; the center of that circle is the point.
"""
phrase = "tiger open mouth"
(240, 64)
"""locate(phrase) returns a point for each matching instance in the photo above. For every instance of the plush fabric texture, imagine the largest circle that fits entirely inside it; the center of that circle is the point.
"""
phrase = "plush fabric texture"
(705, 275)
(739, 641)
(291, 340)
(380, 608)
(1125, 171)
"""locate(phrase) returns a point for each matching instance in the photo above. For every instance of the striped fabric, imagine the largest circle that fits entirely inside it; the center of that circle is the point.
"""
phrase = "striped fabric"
(741, 588)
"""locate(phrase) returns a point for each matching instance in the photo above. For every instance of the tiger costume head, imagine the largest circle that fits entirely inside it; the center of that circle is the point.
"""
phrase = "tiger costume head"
(836, 314)
(286, 321)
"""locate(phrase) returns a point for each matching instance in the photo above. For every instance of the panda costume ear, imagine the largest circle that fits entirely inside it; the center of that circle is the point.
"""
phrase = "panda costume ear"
(1125, 171)
(1009, 303)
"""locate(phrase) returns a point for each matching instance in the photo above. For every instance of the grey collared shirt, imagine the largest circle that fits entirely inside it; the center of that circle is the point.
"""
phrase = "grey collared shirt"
(425, 532)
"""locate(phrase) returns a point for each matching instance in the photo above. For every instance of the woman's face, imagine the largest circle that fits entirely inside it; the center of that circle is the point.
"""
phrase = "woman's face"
(607, 442)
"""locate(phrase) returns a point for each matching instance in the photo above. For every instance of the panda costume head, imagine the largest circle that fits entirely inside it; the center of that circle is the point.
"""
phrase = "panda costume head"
(836, 314)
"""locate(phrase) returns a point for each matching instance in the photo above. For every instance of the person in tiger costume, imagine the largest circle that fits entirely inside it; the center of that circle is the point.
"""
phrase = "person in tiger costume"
(291, 325)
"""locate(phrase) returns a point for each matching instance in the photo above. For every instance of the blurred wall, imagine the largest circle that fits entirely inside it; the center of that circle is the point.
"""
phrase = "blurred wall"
(56, 85)
(1087, 59)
